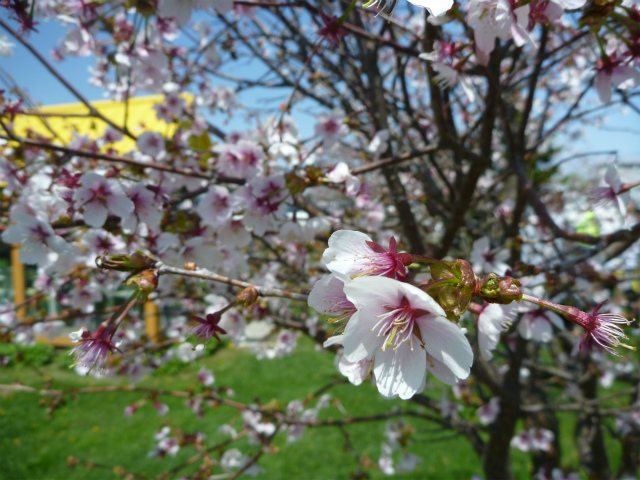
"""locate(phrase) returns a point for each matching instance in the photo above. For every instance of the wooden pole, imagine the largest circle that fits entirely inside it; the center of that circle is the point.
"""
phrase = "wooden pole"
(17, 274)
(151, 320)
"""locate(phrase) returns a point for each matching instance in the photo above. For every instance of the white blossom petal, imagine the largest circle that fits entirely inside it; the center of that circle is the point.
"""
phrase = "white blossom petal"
(400, 372)
(445, 342)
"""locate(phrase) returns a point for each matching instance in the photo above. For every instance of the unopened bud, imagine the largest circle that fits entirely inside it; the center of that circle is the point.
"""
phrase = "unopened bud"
(295, 184)
(405, 258)
(191, 266)
(248, 296)
(125, 263)
(146, 281)
(502, 290)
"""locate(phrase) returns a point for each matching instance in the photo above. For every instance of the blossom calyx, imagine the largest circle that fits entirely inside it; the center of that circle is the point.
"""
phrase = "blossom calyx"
(248, 296)
(295, 184)
(146, 281)
(125, 263)
(502, 290)
(453, 285)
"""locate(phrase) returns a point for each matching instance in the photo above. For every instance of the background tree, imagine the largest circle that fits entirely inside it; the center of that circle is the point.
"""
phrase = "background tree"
(443, 134)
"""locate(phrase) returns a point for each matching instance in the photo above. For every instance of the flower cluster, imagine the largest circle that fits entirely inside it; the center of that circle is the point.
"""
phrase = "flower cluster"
(401, 332)
(397, 325)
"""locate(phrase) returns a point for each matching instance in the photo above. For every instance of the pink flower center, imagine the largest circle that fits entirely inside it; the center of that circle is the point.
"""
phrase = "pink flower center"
(488, 257)
(40, 233)
(398, 323)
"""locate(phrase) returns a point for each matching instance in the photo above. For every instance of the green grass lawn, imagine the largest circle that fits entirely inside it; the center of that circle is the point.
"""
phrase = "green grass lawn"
(92, 427)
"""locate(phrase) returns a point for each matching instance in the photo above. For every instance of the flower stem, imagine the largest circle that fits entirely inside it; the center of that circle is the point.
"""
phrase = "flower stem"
(559, 309)
(425, 259)
(343, 17)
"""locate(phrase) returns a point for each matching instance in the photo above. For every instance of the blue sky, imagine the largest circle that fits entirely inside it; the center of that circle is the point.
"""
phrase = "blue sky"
(621, 132)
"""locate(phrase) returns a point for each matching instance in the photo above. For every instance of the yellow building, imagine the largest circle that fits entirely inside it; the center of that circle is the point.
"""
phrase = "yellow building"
(61, 124)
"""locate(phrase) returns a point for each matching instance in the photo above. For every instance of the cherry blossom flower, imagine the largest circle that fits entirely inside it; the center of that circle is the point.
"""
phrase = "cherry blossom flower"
(94, 348)
(232, 321)
(296, 409)
(537, 325)
(145, 208)
(286, 343)
(180, 10)
(293, 232)
(492, 321)
(215, 207)
(151, 143)
(186, 353)
(537, 322)
(356, 372)
(150, 68)
(353, 254)
(99, 197)
(233, 458)
(340, 173)
(491, 18)
(397, 325)
(241, 160)
(434, 7)
(84, 298)
(614, 192)
(97, 240)
(449, 409)
(533, 439)
(208, 327)
(257, 427)
(522, 441)
(166, 445)
(13, 177)
(37, 238)
(200, 250)
(233, 232)
(111, 135)
(77, 42)
(162, 433)
(485, 260)
(206, 377)
(50, 329)
(614, 72)
(385, 463)
(541, 439)
(379, 143)
(172, 107)
(327, 297)
(161, 408)
(330, 127)
(130, 410)
(600, 328)
(169, 446)
(488, 413)
(263, 200)
(220, 97)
